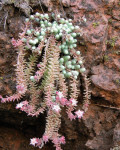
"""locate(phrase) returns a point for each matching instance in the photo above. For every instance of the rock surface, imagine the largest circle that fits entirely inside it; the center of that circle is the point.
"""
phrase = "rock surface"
(99, 44)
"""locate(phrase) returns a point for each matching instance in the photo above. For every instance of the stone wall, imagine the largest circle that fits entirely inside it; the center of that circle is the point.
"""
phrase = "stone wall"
(100, 46)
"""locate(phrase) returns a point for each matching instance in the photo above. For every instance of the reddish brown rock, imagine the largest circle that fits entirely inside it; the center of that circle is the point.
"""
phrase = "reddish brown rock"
(106, 82)
(16, 141)
(100, 126)
(66, 3)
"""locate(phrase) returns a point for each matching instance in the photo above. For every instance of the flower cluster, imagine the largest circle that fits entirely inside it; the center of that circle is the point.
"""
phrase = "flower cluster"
(48, 68)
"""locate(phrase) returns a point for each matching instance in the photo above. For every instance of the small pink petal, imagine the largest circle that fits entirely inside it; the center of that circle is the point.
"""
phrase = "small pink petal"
(38, 65)
(62, 140)
(79, 113)
(57, 98)
(63, 101)
(33, 141)
(45, 138)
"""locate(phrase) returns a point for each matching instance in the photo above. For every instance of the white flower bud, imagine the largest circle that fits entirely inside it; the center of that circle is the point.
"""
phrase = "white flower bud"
(82, 70)
(78, 52)
(37, 14)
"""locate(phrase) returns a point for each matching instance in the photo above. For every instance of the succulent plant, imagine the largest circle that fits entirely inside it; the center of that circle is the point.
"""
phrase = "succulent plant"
(48, 58)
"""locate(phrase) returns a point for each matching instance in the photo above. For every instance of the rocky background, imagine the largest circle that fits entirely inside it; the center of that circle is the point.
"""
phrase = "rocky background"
(100, 46)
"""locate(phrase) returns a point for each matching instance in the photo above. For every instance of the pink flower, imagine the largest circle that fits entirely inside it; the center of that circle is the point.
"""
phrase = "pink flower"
(22, 106)
(60, 94)
(56, 108)
(19, 106)
(38, 73)
(74, 102)
(21, 88)
(38, 65)
(63, 101)
(45, 138)
(33, 141)
(35, 77)
(62, 140)
(79, 113)
(60, 98)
